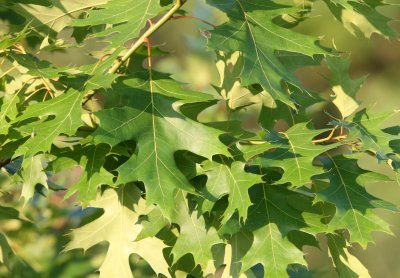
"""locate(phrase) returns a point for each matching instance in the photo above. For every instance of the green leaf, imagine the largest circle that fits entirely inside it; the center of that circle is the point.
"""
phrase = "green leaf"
(271, 218)
(276, 204)
(295, 155)
(31, 174)
(193, 237)
(117, 227)
(354, 205)
(60, 115)
(339, 75)
(152, 118)
(8, 257)
(366, 126)
(251, 31)
(362, 17)
(8, 110)
(152, 223)
(273, 251)
(127, 18)
(337, 245)
(10, 39)
(49, 18)
(169, 185)
(229, 180)
(91, 160)
(234, 251)
(36, 67)
(6, 252)
(344, 88)
(9, 213)
(271, 115)
(63, 116)
(250, 150)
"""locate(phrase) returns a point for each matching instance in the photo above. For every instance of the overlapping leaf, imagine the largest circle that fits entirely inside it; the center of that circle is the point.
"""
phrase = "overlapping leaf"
(91, 160)
(366, 126)
(152, 223)
(284, 208)
(362, 16)
(117, 227)
(36, 67)
(295, 154)
(344, 88)
(270, 220)
(354, 205)
(8, 257)
(251, 31)
(151, 117)
(128, 17)
(6, 252)
(30, 68)
(32, 173)
(273, 251)
(10, 39)
(48, 18)
(232, 180)
(193, 237)
(148, 130)
(60, 115)
(8, 110)
(337, 245)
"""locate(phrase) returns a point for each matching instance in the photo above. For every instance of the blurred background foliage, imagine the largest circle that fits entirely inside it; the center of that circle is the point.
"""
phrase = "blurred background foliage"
(38, 231)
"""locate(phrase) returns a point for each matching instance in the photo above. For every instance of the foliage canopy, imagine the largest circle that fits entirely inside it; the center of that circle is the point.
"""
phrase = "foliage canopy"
(184, 194)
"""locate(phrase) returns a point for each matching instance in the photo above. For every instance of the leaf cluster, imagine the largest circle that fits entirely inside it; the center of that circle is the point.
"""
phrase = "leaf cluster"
(184, 194)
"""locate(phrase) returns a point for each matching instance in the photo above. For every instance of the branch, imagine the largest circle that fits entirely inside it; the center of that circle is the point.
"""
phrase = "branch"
(142, 39)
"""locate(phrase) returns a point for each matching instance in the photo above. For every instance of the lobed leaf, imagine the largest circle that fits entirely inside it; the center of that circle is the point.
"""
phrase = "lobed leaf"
(151, 117)
(117, 227)
(354, 205)
(251, 31)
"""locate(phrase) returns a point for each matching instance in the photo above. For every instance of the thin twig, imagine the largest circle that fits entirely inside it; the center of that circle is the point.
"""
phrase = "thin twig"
(148, 33)
(8, 71)
(49, 90)
(34, 92)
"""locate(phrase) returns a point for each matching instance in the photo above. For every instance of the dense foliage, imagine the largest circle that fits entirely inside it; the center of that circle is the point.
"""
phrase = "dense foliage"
(185, 194)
